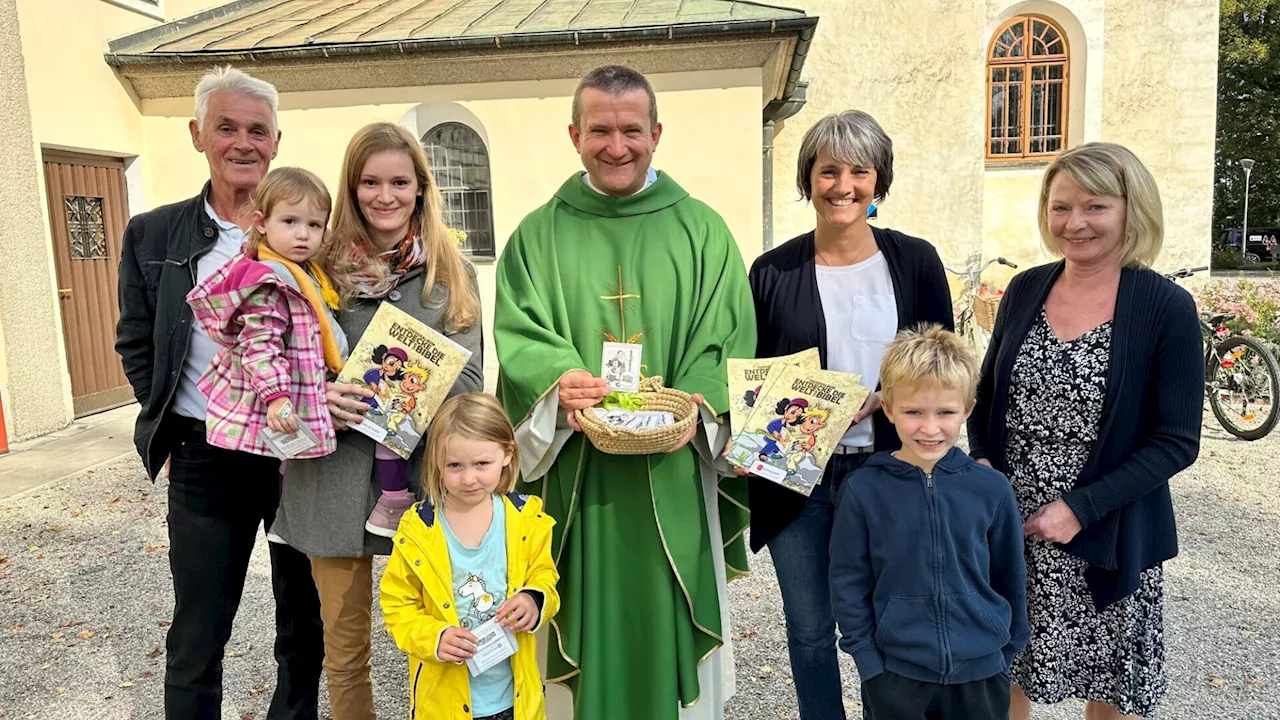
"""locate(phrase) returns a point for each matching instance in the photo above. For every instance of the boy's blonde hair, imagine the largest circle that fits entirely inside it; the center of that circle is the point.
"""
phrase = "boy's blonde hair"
(291, 185)
(474, 416)
(928, 355)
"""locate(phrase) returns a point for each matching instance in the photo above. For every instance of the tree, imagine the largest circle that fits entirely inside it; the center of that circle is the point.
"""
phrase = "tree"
(1248, 114)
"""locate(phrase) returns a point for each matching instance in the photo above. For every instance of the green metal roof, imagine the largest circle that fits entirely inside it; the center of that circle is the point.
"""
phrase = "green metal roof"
(265, 28)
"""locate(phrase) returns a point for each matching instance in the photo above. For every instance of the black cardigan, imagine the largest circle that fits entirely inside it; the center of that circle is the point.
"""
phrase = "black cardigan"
(789, 318)
(1150, 428)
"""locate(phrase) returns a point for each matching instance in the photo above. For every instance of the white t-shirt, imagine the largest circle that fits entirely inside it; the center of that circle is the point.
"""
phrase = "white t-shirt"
(189, 401)
(862, 318)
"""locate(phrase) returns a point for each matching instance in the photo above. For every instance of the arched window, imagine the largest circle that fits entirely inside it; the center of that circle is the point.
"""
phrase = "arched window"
(460, 163)
(1027, 74)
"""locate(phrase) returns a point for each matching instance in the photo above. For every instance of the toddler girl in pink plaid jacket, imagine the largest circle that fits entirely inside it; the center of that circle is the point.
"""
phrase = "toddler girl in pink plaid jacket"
(271, 310)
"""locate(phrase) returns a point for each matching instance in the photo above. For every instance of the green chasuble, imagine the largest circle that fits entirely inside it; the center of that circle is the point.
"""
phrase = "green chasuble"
(640, 608)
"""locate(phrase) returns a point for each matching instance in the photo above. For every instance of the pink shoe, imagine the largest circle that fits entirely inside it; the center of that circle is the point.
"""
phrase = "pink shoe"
(386, 515)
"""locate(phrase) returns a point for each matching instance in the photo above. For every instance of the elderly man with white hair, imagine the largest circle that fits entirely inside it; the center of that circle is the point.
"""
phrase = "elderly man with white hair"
(218, 499)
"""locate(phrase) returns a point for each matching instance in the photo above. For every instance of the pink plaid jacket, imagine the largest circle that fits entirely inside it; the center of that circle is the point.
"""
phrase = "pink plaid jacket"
(270, 340)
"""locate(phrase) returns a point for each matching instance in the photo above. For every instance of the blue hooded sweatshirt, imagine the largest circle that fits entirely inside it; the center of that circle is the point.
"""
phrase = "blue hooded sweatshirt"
(928, 579)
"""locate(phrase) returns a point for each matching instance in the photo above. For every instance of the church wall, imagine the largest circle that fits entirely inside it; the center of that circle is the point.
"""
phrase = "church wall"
(1142, 74)
(57, 93)
(1135, 94)
(1160, 99)
(916, 67)
(1011, 191)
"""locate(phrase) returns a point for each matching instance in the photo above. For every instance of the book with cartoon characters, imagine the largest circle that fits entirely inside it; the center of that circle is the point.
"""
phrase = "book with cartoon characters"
(748, 376)
(797, 421)
(410, 367)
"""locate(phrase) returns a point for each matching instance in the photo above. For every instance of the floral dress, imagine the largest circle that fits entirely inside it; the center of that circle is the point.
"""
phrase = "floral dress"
(1115, 656)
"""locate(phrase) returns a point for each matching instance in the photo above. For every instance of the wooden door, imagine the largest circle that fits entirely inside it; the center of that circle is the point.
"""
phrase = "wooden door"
(88, 211)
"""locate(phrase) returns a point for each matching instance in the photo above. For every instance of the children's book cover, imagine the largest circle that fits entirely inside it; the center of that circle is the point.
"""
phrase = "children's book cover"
(747, 378)
(796, 424)
(410, 368)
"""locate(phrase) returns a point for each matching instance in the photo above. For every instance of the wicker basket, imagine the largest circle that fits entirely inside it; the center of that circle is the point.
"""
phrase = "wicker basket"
(623, 441)
(984, 311)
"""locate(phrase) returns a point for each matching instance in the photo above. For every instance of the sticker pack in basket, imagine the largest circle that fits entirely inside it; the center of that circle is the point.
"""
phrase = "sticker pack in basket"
(410, 367)
(650, 421)
(795, 424)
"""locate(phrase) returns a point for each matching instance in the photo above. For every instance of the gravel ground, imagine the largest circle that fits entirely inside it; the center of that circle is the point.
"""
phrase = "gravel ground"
(85, 598)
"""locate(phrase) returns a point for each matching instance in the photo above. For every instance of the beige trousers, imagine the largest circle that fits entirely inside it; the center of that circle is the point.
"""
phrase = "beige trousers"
(346, 606)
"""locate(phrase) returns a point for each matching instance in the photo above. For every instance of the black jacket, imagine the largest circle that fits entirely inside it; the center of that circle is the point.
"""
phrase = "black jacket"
(157, 270)
(789, 318)
(1150, 428)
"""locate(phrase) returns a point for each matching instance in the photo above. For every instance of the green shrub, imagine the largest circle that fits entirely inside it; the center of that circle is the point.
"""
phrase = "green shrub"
(1226, 260)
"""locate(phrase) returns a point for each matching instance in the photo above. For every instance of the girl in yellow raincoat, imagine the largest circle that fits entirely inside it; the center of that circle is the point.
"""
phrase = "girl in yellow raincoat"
(475, 552)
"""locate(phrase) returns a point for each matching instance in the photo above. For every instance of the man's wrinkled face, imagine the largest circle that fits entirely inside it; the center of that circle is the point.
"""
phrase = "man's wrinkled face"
(615, 139)
(238, 138)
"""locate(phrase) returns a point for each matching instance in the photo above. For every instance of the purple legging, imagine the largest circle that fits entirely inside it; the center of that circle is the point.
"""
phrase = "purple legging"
(393, 470)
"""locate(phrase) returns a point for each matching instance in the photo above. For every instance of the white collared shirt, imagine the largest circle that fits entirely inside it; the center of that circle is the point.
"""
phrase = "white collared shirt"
(650, 177)
(189, 401)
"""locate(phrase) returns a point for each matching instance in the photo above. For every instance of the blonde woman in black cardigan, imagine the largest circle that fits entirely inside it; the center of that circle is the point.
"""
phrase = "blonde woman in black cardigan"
(1090, 401)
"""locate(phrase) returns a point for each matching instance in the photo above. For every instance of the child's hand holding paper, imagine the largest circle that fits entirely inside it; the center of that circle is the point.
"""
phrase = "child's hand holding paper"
(456, 645)
(519, 613)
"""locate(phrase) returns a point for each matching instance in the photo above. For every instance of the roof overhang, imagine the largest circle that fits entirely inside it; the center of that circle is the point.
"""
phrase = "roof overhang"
(777, 46)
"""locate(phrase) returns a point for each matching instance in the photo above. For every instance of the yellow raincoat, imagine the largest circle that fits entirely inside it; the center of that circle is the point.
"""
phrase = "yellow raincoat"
(418, 605)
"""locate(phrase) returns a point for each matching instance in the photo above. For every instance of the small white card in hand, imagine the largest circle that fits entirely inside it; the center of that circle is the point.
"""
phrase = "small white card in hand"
(287, 446)
(620, 366)
(494, 644)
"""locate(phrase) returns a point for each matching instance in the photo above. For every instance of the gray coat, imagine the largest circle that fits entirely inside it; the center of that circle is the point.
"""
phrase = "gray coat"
(325, 501)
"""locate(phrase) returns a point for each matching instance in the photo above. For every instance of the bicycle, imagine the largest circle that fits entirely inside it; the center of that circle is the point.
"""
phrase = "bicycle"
(975, 315)
(1241, 376)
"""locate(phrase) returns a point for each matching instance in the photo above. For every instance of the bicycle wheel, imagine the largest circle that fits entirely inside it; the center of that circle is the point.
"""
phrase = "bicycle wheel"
(1243, 387)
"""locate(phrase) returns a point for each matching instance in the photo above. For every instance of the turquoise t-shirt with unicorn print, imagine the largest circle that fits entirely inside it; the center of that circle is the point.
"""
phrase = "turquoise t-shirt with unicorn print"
(479, 589)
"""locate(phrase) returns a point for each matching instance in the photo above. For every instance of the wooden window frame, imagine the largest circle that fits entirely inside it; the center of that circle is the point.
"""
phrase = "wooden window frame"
(1026, 62)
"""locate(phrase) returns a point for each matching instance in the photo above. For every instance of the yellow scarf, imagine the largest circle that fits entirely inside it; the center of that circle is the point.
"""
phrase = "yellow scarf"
(326, 296)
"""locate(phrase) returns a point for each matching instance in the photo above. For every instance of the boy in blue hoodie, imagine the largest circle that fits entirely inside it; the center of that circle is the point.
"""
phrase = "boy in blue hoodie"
(928, 581)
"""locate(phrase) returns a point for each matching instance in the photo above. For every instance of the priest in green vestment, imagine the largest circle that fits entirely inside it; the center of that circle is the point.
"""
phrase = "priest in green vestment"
(644, 544)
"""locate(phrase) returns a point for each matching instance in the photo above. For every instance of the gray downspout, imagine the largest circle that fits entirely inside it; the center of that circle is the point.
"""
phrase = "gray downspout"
(774, 113)
(767, 141)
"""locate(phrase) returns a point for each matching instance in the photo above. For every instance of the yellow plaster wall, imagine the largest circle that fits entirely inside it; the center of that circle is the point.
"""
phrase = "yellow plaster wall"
(1009, 220)
(26, 357)
(59, 93)
(76, 99)
(930, 98)
(1160, 100)
(916, 67)
(530, 151)
(1010, 192)
(1162, 111)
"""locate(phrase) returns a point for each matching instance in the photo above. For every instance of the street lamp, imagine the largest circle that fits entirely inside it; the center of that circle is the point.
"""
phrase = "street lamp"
(1247, 164)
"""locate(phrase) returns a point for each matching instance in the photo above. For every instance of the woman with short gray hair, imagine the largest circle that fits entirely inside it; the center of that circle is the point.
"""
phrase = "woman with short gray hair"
(845, 288)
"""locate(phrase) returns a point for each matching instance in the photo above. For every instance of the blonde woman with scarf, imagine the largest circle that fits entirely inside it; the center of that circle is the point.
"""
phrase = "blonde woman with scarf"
(388, 244)
(271, 309)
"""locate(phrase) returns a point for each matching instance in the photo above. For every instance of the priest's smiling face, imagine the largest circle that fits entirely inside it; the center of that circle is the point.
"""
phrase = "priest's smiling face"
(615, 139)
